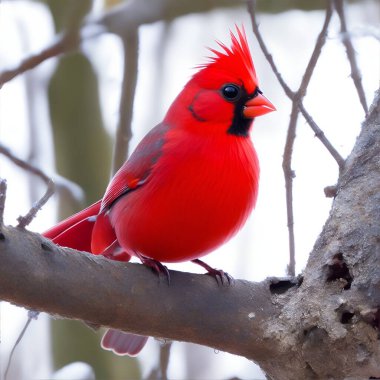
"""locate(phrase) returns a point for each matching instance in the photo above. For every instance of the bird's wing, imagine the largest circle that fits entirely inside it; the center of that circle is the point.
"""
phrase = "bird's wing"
(136, 170)
(131, 176)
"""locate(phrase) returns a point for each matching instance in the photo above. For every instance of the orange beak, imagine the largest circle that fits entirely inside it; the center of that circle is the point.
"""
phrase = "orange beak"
(257, 106)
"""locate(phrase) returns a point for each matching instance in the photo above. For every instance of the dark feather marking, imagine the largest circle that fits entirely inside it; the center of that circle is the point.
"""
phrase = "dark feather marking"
(192, 110)
(240, 125)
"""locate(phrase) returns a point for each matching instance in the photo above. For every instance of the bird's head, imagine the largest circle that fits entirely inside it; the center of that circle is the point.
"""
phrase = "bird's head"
(225, 91)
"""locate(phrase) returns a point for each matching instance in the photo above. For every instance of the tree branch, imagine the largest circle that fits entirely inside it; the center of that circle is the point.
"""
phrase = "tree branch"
(120, 20)
(64, 43)
(332, 322)
(293, 96)
(351, 55)
(25, 220)
(291, 136)
(76, 285)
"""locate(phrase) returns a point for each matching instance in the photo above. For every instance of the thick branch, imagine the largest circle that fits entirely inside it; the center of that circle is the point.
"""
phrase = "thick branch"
(36, 274)
(330, 327)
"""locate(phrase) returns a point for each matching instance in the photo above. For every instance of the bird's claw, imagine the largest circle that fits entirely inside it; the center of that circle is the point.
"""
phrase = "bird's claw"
(221, 277)
(156, 266)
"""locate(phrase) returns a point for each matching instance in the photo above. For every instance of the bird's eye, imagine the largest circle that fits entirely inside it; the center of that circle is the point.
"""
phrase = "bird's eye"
(231, 92)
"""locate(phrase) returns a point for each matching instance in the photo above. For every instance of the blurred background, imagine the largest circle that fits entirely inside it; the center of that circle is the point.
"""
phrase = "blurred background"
(62, 117)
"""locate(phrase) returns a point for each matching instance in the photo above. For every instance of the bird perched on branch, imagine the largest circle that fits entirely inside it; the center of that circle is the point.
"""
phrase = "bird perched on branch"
(190, 184)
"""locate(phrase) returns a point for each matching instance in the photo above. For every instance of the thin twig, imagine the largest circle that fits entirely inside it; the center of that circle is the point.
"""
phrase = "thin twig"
(25, 220)
(291, 136)
(63, 44)
(31, 315)
(125, 16)
(3, 192)
(297, 107)
(289, 175)
(291, 95)
(321, 40)
(124, 129)
(321, 136)
(351, 55)
(33, 104)
(164, 359)
(255, 27)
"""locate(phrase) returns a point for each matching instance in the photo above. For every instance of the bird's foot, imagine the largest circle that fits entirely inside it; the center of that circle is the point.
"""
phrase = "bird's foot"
(156, 266)
(220, 276)
(115, 252)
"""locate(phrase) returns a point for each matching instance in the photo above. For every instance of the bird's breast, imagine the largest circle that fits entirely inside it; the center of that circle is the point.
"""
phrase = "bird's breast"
(199, 194)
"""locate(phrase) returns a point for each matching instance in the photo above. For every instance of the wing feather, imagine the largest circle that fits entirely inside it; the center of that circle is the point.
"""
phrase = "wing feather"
(137, 168)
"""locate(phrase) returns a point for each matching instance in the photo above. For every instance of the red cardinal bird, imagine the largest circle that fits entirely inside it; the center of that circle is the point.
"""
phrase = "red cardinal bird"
(190, 184)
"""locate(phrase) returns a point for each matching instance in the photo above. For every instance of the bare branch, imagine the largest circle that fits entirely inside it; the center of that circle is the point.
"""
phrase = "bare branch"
(65, 43)
(351, 55)
(321, 136)
(321, 40)
(291, 135)
(289, 175)
(25, 220)
(51, 276)
(291, 95)
(297, 107)
(119, 19)
(160, 371)
(255, 27)
(31, 316)
(164, 359)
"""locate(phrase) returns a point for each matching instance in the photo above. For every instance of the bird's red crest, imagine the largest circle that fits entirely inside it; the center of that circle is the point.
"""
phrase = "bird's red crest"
(234, 62)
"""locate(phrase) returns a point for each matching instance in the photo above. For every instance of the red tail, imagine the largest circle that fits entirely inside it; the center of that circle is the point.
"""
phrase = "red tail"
(122, 343)
(76, 231)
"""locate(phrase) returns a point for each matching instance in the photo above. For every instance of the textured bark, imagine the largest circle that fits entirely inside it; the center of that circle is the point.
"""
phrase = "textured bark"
(329, 327)
(325, 327)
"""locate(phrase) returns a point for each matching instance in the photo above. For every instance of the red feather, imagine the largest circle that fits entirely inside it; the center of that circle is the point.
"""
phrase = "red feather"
(75, 232)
